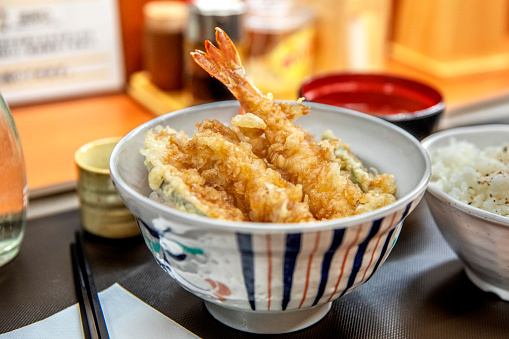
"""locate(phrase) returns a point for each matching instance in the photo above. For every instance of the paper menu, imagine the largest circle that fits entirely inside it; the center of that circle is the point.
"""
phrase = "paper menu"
(51, 49)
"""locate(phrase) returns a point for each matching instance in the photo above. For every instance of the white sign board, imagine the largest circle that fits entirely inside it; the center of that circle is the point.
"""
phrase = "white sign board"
(51, 49)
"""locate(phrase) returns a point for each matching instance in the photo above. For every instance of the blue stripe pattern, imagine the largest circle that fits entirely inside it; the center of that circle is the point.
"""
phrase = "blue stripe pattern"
(293, 243)
(245, 243)
(292, 250)
(407, 209)
(337, 239)
(357, 263)
(388, 240)
(382, 254)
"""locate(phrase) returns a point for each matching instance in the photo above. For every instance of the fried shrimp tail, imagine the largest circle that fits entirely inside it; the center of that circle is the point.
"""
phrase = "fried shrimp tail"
(224, 64)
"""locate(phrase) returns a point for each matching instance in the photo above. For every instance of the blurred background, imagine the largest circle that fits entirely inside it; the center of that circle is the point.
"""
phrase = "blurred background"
(78, 70)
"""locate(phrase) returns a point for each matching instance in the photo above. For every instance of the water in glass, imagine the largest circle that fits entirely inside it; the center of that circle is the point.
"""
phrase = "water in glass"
(13, 187)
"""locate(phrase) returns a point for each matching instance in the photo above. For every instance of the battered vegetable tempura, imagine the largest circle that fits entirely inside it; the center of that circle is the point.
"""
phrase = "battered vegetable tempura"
(263, 168)
(331, 192)
(179, 185)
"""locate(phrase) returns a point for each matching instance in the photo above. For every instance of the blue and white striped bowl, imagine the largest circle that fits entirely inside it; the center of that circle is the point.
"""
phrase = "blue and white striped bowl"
(275, 278)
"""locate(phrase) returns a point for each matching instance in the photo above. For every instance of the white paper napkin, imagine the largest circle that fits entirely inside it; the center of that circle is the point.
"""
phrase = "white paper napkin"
(126, 317)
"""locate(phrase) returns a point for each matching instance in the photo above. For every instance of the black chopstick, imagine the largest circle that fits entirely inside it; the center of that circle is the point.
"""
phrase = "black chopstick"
(81, 292)
(87, 293)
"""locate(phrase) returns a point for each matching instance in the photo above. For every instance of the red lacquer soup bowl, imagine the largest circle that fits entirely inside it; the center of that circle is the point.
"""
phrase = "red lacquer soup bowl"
(412, 105)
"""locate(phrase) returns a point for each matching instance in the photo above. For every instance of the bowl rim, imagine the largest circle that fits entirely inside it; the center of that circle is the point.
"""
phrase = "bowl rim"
(416, 192)
(446, 198)
(438, 108)
(79, 155)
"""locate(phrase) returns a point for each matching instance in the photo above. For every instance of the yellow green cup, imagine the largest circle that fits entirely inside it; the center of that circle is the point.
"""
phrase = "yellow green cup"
(102, 211)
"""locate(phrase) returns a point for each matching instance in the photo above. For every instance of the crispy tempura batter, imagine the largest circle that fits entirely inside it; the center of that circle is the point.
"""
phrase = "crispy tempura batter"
(331, 192)
(215, 169)
(259, 191)
(180, 185)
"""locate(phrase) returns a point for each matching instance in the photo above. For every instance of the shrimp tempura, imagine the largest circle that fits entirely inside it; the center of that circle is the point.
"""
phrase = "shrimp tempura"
(308, 163)
(259, 191)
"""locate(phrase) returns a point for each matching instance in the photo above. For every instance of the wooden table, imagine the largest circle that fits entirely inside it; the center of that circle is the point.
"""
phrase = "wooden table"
(50, 134)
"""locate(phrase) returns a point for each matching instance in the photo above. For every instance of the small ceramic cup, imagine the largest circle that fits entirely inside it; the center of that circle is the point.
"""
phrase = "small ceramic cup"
(103, 212)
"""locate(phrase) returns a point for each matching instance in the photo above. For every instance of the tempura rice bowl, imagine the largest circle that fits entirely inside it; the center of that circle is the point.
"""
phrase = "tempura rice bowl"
(275, 278)
(478, 235)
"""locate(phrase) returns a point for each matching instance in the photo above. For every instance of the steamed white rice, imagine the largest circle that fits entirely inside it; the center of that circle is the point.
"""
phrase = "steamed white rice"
(478, 177)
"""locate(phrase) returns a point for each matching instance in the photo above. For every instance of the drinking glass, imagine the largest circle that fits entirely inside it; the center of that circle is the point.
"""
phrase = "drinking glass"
(13, 187)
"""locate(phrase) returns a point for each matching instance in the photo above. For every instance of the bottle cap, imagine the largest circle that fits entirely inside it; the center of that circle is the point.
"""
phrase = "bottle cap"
(165, 16)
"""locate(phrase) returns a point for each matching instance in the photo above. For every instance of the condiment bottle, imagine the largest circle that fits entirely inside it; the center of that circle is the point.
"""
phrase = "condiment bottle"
(163, 38)
(204, 17)
(279, 46)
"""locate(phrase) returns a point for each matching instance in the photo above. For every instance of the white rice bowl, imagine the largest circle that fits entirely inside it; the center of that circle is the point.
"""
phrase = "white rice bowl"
(476, 176)
(467, 199)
